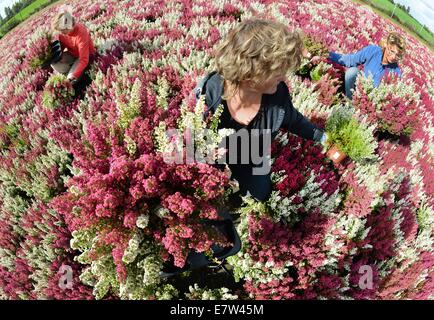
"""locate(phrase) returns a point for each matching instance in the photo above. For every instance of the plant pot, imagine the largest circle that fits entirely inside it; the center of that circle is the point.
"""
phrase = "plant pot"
(335, 154)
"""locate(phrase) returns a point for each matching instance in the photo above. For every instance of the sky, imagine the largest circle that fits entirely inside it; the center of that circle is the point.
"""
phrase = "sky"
(422, 10)
(4, 4)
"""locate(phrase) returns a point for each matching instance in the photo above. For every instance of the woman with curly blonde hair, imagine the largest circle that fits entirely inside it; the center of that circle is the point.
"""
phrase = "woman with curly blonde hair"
(251, 64)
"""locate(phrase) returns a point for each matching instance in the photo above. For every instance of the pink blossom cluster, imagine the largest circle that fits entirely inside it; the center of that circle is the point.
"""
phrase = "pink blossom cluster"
(116, 187)
(73, 168)
(298, 158)
(396, 114)
(39, 53)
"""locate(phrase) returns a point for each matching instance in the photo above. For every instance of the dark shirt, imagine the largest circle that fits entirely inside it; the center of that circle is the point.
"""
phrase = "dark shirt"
(276, 112)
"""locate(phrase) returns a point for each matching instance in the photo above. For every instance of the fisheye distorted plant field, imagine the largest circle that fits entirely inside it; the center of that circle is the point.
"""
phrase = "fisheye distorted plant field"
(84, 189)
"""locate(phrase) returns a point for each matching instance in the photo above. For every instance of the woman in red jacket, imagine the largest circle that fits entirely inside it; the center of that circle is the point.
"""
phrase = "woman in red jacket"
(77, 46)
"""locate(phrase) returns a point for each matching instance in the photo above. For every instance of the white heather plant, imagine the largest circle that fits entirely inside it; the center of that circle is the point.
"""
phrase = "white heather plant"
(395, 103)
(403, 88)
(207, 137)
(197, 293)
(305, 99)
(143, 265)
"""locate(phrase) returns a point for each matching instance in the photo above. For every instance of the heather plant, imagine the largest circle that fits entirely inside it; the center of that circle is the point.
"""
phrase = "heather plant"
(89, 208)
(353, 137)
(39, 53)
(319, 71)
(58, 92)
(392, 106)
(315, 46)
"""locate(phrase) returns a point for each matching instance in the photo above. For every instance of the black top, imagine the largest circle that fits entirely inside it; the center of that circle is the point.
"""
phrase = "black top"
(276, 111)
(227, 121)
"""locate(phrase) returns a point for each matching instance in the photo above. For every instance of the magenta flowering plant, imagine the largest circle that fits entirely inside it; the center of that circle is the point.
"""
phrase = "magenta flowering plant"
(328, 89)
(127, 190)
(393, 106)
(39, 52)
(284, 243)
(85, 189)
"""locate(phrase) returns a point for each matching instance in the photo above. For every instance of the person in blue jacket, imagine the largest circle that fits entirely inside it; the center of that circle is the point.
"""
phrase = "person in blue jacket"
(376, 59)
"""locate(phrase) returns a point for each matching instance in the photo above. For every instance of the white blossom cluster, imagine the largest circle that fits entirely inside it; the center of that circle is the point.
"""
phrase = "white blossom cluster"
(197, 293)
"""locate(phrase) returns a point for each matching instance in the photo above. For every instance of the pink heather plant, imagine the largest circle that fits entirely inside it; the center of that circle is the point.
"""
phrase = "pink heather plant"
(39, 53)
(328, 89)
(295, 157)
(124, 178)
(392, 106)
(81, 183)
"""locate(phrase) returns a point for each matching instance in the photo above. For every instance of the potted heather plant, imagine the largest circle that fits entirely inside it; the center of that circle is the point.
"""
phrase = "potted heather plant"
(348, 136)
(58, 91)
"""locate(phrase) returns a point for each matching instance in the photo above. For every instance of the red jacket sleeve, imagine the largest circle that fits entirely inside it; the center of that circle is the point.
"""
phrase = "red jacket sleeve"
(83, 57)
(63, 41)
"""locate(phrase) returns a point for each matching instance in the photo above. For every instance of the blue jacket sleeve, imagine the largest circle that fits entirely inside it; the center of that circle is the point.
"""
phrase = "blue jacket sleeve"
(353, 59)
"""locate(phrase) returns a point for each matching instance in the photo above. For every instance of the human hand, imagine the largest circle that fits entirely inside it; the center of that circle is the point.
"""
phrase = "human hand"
(71, 79)
(324, 139)
(315, 59)
(306, 54)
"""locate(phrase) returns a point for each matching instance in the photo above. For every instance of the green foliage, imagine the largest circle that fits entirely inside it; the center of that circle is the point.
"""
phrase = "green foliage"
(22, 13)
(305, 67)
(353, 137)
(57, 92)
(128, 111)
(315, 47)
(387, 7)
(320, 70)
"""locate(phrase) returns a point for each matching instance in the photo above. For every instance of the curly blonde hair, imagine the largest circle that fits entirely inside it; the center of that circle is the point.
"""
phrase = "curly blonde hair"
(257, 50)
(63, 21)
(393, 38)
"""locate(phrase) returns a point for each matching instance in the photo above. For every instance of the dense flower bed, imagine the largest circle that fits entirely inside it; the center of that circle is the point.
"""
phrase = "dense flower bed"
(89, 209)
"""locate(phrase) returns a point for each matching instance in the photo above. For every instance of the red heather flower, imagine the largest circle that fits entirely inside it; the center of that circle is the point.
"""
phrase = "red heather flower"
(179, 205)
(297, 159)
(302, 245)
(357, 276)
(398, 115)
(404, 282)
(327, 88)
(39, 52)
(180, 239)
